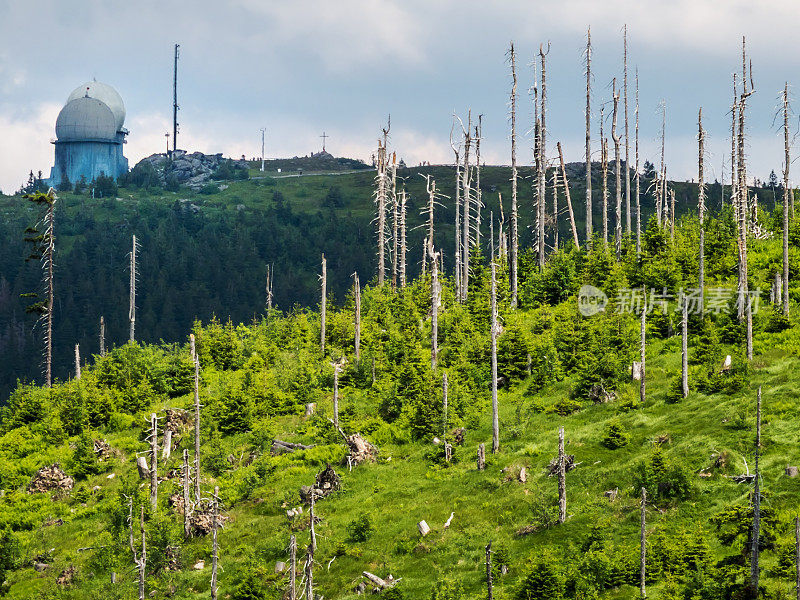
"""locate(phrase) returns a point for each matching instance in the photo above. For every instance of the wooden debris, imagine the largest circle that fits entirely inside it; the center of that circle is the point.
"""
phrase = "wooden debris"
(327, 482)
(381, 584)
(636, 371)
(281, 447)
(311, 407)
(792, 471)
(569, 464)
(481, 457)
(280, 567)
(141, 465)
(457, 435)
(177, 420)
(48, 479)
(199, 565)
(103, 450)
(726, 364)
(449, 520)
(611, 494)
(67, 576)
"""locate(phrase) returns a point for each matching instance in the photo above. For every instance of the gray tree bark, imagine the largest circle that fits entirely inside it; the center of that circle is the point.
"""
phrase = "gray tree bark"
(701, 205)
(357, 315)
(214, 542)
(756, 534)
(617, 177)
(102, 336)
(187, 531)
(77, 362)
(627, 135)
(684, 347)
(495, 415)
(196, 420)
(786, 163)
(132, 299)
(588, 136)
(643, 546)
(323, 304)
(514, 231)
(154, 463)
(642, 347)
(569, 199)
(490, 593)
(562, 478)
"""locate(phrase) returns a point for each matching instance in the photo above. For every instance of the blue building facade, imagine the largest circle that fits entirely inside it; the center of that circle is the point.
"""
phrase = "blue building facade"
(90, 136)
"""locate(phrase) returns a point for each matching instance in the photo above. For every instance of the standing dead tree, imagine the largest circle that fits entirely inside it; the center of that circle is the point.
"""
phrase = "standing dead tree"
(196, 361)
(627, 132)
(292, 568)
(444, 406)
(154, 463)
(403, 246)
(588, 136)
(357, 315)
(701, 206)
(636, 152)
(643, 546)
(489, 591)
(187, 527)
(395, 223)
(435, 292)
(323, 304)
(604, 174)
(755, 536)
(337, 368)
(43, 250)
(102, 336)
(661, 199)
(466, 181)
(478, 191)
(132, 299)
(430, 187)
(494, 332)
(269, 286)
(643, 347)
(786, 163)
(77, 362)
(554, 183)
(381, 193)
(456, 152)
(514, 232)
(139, 558)
(617, 176)
(565, 182)
(214, 542)
(734, 151)
(684, 346)
(542, 155)
(743, 200)
(562, 478)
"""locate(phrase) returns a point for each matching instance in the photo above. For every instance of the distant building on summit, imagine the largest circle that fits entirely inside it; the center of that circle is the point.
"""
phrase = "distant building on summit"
(90, 135)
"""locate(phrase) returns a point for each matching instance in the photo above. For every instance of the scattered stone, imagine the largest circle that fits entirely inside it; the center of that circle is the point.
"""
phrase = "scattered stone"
(48, 479)
(199, 565)
(726, 364)
(111, 476)
(281, 447)
(193, 170)
(96, 488)
(310, 408)
(39, 567)
(792, 471)
(103, 450)
(424, 528)
(436, 441)
(280, 567)
(177, 420)
(523, 475)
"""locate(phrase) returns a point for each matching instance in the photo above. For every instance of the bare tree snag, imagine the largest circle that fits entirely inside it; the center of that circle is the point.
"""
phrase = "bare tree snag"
(132, 299)
(636, 151)
(734, 152)
(102, 336)
(701, 205)
(643, 546)
(555, 210)
(403, 246)
(269, 286)
(495, 415)
(797, 555)
(395, 224)
(481, 460)
(196, 360)
(187, 528)
(310, 572)
(604, 169)
(565, 181)
(154, 463)
(755, 553)
(684, 347)
(323, 304)
(749, 326)
(458, 217)
(642, 347)
(478, 191)
(77, 362)
(293, 568)
(434, 307)
(336, 368)
(617, 176)
(661, 195)
(357, 315)
(627, 133)
(786, 163)
(489, 571)
(742, 287)
(588, 136)
(143, 555)
(562, 478)
(214, 542)
(467, 199)
(444, 406)
(672, 214)
(514, 232)
(430, 188)
(380, 199)
(542, 153)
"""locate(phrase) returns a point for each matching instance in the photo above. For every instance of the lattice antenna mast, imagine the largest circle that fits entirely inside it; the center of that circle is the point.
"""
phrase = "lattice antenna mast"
(175, 106)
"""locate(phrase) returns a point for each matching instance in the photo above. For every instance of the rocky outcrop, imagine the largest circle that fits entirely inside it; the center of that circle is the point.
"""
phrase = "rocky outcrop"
(192, 170)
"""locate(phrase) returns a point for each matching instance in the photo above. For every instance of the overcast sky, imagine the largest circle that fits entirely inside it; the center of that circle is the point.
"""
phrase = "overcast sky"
(301, 67)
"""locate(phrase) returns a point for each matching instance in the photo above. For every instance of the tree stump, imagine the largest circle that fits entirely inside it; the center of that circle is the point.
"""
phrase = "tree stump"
(481, 457)
(424, 528)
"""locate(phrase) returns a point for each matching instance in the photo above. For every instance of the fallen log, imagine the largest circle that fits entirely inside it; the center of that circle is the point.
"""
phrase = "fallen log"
(281, 447)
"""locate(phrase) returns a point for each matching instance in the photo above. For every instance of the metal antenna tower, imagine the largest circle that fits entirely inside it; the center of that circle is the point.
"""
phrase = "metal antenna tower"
(175, 100)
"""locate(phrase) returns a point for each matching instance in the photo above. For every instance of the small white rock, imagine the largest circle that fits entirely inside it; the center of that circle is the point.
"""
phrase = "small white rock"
(424, 528)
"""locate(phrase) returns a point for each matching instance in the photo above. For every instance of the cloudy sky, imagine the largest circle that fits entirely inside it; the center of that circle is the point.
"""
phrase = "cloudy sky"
(303, 66)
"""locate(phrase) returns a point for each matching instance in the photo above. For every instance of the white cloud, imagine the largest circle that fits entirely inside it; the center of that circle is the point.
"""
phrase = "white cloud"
(24, 147)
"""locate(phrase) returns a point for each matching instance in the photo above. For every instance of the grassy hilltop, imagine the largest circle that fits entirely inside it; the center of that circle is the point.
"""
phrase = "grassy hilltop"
(257, 378)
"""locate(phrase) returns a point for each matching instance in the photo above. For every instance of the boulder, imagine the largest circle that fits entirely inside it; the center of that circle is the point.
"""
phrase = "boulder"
(424, 528)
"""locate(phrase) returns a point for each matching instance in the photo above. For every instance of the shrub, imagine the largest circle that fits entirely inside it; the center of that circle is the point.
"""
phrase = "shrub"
(543, 581)
(675, 390)
(361, 528)
(663, 480)
(447, 588)
(105, 186)
(84, 461)
(616, 436)
(9, 552)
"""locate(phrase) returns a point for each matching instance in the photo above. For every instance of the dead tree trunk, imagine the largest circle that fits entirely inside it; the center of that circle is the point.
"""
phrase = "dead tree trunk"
(154, 463)
(742, 287)
(797, 555)
(514, 232)
(467, 199)
(604, 169)
(403, 238)
(132, 299)
(588, 136)
(323, 304)
(542, 154)
(77, 362)
(617, 177)
(481, 460)
(672, 215)
(310, 572)
(142, 556)
(786, 163)
(643, 547)
(430, 188)
(357, 316)
(444, 406)
(636, 151)
(380, 198)
(187, 530)
(434, 307)
(555, 210)
(684, 347)
(478, 191)
(565, 181)
(642, 347)
(269, 286)
(395, 224)
(749, 317)
(755, 552)
(293, 568)
(627, 134)
(495, 415)
(562, 478)
(196, 421)
(457, 277)
(701, 204)
(102, 336)
(336, 395)
(214, 542)
(734, 152)
(490, 595)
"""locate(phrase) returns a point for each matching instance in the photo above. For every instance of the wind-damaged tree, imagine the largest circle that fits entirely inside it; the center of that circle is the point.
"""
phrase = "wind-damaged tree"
(357, 314)
(196, 361)
(565, 182)
(323, 303)
(627, 132)
(132, 299)
(403, 247)
(754, 538)
(701, 207)
(588, 136)
(786, 163)
(636, 152)
(562, 478)
(43, 250)
(435, 299)
(154, 463)
(139, 558)
(494, 332)
(514, 231)
(617, 174)
(381, 198)
(214, 542)
(542, 172)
